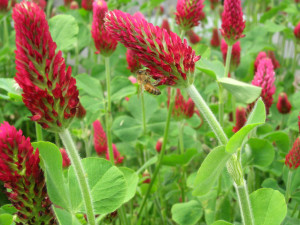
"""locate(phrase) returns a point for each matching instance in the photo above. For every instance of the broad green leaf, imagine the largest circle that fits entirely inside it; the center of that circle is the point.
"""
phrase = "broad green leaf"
(92, 104)
(107, 184)
(221, 222)
(272, 12)
(126, 128)
(132, 180)
(210, 170)
(214, 69)
(147, 164)
(10, 209)
(179, 159)
(8, 84)
(273, 27)
(52, 163)
(203, 50)
(256, 118)
(65, 218)
(188, 213)
(64, 30)
(121, 87)
(6, 219)
(89, 85)
(271, 183)
(269, 206)
(262, 152)
(281, 139)
(243, 92)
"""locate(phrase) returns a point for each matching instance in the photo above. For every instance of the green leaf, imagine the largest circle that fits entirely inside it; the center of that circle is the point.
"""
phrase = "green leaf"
(214, 68)
(7, 84)
(10, 209)
(268, 206)
(64, 30)
(281, 139)
(107, 184)
(243, 92)
(64, 217)
(121, 87)
(203, 50)
(272, 12)
(221, 222)
(92, 104)
(52, 163)
(89, 85)
(179, 159)
(256, 118)
(126, 128)
(210, 170)
(188, 213)
(132, 180)
(6, 219)
(273, 27)
(147, 164)
(262, 152)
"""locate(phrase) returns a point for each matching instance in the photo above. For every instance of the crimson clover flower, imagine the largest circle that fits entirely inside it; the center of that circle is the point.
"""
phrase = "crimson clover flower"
(49, 92)
(235, 54)
(165, 25)
(23, 178)
(292, 159)
(213, 4)
(193, 37)
(87, 5)
(74, 5)
(264, 78)
(66, 162)
(262, 55)
(182, 108)
(158, 145)
(233, 23)
(100, 140)
(283, 105)
(132, 61)
(168, 59)
(215, 39)
(241, 118)
(104, 43)
(189, 13)
(117, 156)
(297, 31)
(3, 5)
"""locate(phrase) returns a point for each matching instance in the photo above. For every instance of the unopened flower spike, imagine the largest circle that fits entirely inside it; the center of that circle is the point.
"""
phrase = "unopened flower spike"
(182, 108)
(104, 43)
(49, 91)
(241, 118)
(100, 140)
(297, 31)
(169, 60)
(283, 105)
(233, 23)
(23, 178)
(292, 159)
(189, 13)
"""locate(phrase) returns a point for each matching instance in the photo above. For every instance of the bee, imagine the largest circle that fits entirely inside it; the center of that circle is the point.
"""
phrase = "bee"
(143, 79)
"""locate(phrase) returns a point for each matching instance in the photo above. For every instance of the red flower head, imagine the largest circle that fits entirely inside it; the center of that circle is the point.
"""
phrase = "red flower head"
(264, 78)
(165, 25)
(3, 5)
(263, 55)
(235, 54)
(233, 24)
(297, 31)
(189, 13)
(65, 158)
(168, 59)
(283, 104)
(292, 159)
(117, 156)
(21, 174)
(132, 61)
(67, 2)
(87, 4)
(104, 43)
(100, 140)
(146, 177)
(139, 15)
(193, 37)
(215, 39)
(241, 118)
(159, 145)
(183, 108)
(213, 4)
(40, 3)
(49, 92)
(74, 5)
(161, 10)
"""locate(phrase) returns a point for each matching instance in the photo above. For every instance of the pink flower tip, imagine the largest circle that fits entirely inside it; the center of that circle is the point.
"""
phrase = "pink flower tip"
(100, 140)
(117, 156)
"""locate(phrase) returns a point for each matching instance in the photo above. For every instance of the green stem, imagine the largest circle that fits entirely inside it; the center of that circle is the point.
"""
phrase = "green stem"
(228, 59)
(80, 174)
(76, 58)
(181, 147)
(48, 9)
(5, 32)
(244, 203)
(288, 187)
(108, 117)
(182, 34)
(160, 158)
(295, 57)
(39, 132)
(207, 113)
(143, 114)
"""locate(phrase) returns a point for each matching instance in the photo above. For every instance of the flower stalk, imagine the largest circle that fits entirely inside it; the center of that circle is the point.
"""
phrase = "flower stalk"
(39, 132)
(79, 171)
(288, 186)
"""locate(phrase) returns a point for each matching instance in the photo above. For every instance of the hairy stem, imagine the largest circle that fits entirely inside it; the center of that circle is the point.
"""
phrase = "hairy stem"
(39, 132)
(79, 171)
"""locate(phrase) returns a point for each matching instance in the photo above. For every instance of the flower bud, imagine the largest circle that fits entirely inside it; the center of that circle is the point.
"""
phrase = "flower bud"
(165, 25)
(87, 5)
(283, 104)
(215, 39)
(158, 145)
(74, 5)
(100, 140)
(297, 31)
(193, 37)
(292, 159)
(241, 118)
(117, 156)
(65, 158)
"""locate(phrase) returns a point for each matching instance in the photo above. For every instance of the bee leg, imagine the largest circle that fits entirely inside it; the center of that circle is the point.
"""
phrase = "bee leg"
(155, 83)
